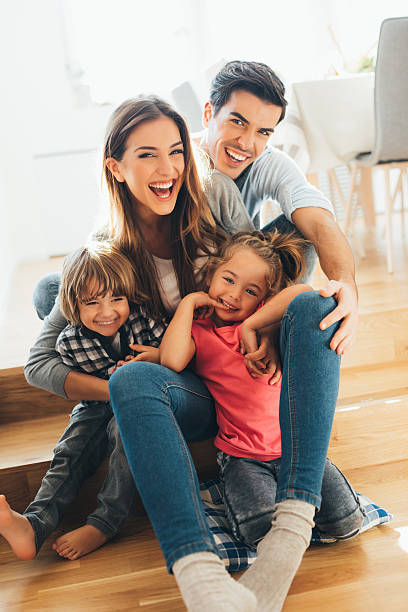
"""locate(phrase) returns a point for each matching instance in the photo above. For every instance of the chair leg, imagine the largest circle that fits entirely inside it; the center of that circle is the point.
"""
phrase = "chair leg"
(349, 206)
(334, 183)
(388, 219)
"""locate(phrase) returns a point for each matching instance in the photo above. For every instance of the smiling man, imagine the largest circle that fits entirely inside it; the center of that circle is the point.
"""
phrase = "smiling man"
(246, 103)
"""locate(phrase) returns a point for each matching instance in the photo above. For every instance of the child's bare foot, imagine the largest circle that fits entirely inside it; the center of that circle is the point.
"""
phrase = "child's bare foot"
(17, 530)
(80, 542)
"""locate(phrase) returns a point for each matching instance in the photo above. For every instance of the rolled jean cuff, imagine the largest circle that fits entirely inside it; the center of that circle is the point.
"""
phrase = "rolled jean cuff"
(107, 531)
(310, 498)
(346, 527)
(189, 549)
(39, 532)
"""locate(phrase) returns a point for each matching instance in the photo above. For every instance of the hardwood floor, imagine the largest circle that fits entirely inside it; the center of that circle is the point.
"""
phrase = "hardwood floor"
(369, 442)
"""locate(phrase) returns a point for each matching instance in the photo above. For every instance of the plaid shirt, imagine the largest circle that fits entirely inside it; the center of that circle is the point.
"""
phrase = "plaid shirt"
(94, 354)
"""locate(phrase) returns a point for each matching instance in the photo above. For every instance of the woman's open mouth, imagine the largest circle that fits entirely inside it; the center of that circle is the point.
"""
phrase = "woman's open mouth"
(162, 189)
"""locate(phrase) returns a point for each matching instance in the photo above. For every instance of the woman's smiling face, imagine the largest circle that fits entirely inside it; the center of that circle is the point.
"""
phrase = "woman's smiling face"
(152, 166)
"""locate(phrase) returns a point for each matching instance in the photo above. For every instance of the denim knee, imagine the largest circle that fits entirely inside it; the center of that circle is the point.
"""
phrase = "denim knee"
(311, 307)
(252, 530)
(45, 294)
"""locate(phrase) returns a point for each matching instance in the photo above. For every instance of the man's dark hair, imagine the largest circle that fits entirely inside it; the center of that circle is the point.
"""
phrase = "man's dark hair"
(254, 77)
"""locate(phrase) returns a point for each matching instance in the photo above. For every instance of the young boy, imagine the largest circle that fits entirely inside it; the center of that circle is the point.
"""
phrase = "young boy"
(96, 296)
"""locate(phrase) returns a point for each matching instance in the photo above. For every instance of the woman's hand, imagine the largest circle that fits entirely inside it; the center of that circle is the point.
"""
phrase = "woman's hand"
(261, 358)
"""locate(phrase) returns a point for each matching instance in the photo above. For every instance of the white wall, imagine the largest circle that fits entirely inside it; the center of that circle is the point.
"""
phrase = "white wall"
(49, 199)
(49, 165)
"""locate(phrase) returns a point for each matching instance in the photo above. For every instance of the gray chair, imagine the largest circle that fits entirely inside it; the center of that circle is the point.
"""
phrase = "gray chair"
(391, 119)
(186, 102)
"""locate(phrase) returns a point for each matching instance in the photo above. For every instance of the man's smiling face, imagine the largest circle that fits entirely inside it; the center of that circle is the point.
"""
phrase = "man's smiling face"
(238, 133)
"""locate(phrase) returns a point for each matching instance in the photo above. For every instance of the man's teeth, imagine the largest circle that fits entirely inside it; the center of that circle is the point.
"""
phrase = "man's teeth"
(236, 156)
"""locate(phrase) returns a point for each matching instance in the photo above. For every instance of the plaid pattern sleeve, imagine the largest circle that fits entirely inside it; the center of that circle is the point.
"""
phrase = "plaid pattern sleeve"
(145, 330)
(86, 354)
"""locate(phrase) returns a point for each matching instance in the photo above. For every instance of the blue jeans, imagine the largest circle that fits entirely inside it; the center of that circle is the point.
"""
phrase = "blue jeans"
(157, 410)
(249, 492)
(45, 294)
(91, 435)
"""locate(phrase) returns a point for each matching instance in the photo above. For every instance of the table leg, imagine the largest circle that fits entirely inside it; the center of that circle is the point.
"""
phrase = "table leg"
(366, 196)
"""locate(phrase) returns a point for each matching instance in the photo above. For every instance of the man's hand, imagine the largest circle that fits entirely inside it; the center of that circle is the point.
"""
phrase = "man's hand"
(346, 309)
(262, 360)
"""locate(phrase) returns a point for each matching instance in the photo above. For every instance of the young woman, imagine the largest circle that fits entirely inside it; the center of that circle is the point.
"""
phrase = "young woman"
(161, 220)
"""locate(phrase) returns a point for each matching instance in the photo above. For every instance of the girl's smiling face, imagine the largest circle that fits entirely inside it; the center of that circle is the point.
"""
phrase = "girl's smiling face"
(240, 284)
(152, 166)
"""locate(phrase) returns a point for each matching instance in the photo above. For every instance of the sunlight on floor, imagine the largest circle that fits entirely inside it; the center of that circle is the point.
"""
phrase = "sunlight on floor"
(403, 540)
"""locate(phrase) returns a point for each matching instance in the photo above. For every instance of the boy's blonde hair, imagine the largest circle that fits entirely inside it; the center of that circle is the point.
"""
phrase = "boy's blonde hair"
(284, 253)
(94, 270)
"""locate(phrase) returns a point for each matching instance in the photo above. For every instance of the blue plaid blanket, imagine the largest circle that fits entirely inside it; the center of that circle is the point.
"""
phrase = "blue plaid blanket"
(236, 555)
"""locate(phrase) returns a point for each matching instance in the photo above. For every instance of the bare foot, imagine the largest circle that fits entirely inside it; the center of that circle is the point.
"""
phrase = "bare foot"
(80, 542)
(17, 530)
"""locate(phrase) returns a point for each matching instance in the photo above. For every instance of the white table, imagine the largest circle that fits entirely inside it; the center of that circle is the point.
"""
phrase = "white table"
(337, 117)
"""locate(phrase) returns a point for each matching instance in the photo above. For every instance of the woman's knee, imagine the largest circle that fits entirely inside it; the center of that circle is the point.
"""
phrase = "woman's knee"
(132, 378)
(311, 307)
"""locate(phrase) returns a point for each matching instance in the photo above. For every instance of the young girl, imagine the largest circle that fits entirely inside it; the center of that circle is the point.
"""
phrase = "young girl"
(97, 297)
(251, 268)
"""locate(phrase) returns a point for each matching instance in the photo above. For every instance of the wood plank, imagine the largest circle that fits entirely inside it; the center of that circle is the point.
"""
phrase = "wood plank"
(374, 379)
(19, 401)
(370, 435)
(379, 339)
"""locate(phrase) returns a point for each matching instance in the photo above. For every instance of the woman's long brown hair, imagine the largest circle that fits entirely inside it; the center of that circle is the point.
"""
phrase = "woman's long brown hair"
(193, 229)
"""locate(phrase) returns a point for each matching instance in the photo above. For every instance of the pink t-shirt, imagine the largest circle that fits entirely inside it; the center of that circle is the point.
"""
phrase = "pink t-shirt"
(247, 408)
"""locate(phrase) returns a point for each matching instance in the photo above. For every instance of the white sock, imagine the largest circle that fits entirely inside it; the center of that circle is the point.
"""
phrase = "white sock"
(206, 585)
(280, 554)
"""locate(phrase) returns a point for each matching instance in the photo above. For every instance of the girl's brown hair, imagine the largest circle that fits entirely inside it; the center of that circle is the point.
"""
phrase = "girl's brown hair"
(284, 253)
(94, 270)
(193, 229)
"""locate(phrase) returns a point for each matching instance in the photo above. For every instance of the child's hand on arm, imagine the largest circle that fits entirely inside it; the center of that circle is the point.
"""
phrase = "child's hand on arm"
(262, 355)
(263, 359)
(177, 347)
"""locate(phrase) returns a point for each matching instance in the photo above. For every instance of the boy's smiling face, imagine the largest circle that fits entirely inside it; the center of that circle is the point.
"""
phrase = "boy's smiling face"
(104, 314)
(240, 284)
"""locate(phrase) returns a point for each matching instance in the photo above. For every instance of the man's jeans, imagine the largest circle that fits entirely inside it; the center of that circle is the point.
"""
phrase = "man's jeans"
(157, 410)
(91, 434)
(249, 492)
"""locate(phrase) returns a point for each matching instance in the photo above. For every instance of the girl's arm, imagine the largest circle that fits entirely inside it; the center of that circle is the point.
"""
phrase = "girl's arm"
(271, 313)
(177, 347)
(46, 370)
